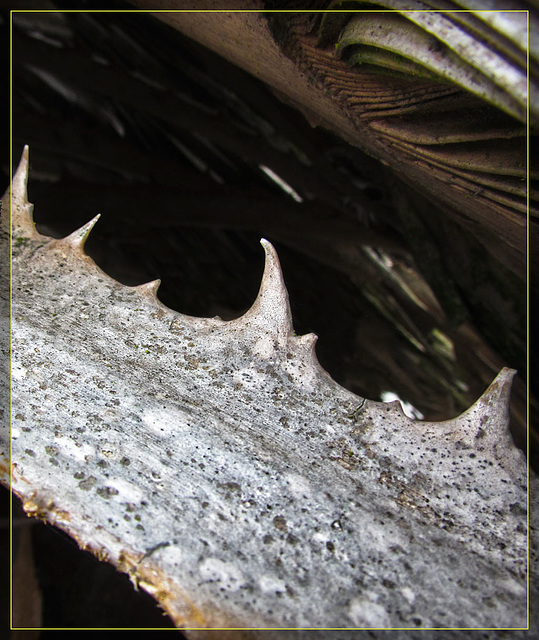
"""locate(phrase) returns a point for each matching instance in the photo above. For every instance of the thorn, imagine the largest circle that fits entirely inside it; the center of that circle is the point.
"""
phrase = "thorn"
(149, 288)
(271, 308)
(21, 209)
(20, 179)
(493, 405)
(307, 342)
(78, 238)
(486, 422)
(305, 350)
(498, 394)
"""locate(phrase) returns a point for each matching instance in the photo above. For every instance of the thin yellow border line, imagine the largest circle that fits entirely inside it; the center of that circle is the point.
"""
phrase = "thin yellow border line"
(148, 11)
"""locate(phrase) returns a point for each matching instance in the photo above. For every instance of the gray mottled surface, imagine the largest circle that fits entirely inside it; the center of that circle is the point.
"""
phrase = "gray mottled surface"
(224, 470)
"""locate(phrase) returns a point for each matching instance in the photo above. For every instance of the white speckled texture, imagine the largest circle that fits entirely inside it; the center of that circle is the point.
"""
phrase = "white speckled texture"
(231, 477)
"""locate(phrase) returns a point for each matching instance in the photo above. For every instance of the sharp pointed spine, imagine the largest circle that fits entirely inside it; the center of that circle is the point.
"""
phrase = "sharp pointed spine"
(499, 392)
(307, 342)
(271, 307)
(485, 425)
(78, 238)
(149, 288)
(493, 405)
(22, 210)
(20, 179)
